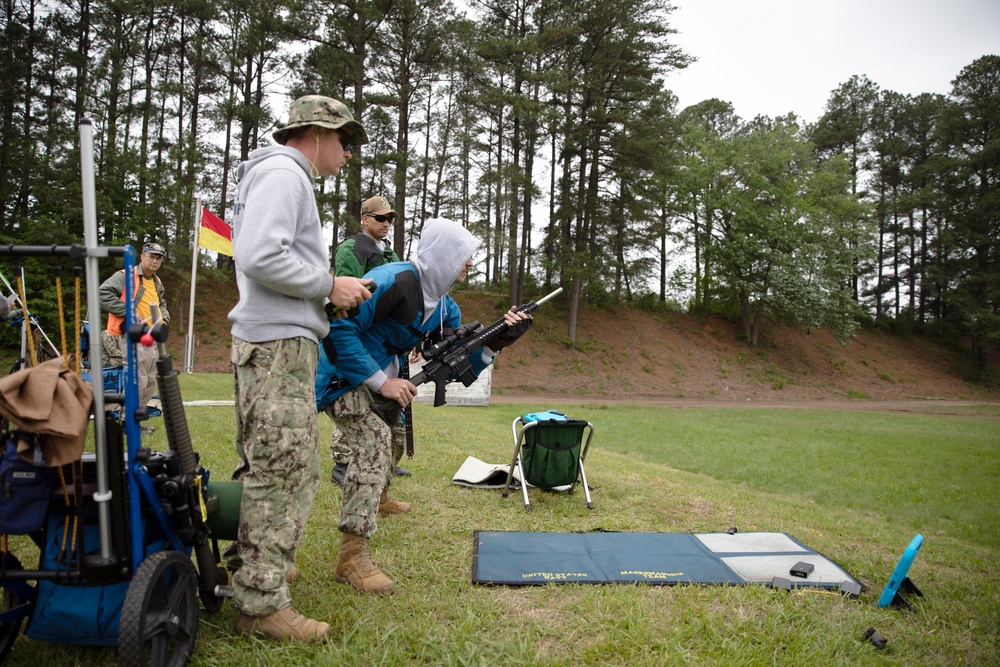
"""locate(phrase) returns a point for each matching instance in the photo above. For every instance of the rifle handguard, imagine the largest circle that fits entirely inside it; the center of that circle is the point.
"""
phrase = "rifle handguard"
(510, 336)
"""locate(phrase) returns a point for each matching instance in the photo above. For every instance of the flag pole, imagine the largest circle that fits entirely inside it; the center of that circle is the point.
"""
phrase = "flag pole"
(189, 343)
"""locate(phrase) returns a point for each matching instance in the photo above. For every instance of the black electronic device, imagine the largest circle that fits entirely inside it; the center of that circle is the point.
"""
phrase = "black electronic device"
(801, 569)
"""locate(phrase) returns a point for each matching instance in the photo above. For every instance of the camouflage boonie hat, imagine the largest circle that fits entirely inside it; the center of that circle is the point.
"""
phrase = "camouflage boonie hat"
(323, 112)
(377, 206)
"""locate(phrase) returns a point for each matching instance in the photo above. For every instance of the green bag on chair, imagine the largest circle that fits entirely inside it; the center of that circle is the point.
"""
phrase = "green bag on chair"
(549, 451)
(551, 455)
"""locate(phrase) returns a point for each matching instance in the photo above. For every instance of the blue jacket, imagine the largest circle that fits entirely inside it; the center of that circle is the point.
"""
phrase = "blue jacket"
(386, 327)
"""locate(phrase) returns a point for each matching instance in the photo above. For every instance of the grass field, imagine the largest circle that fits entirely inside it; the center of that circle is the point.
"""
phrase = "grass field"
(855, 486)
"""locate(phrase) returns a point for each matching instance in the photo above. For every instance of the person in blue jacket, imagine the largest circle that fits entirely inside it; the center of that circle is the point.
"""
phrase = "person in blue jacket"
(359, 365)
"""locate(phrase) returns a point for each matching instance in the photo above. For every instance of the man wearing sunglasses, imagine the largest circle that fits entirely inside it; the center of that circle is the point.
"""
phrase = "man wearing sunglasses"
(362, 252)
(356, 256)
(284, 279)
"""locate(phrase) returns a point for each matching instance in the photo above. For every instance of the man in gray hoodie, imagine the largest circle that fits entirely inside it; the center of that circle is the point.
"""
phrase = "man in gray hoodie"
(284, 279)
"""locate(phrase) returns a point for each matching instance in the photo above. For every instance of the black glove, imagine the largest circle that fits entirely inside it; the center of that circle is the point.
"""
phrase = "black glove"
(513, 332)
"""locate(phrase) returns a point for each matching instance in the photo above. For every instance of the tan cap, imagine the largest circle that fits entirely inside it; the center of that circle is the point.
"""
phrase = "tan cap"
(376, 206)
(324, 112)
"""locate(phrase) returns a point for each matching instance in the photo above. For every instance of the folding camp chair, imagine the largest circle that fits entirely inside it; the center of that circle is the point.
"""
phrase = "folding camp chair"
(549, 450)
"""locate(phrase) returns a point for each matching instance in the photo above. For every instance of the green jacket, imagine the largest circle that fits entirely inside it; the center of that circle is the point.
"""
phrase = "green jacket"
(359, 254)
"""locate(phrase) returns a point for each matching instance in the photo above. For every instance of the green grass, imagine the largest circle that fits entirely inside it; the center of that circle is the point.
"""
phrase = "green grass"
(856, 486)
(885, 465)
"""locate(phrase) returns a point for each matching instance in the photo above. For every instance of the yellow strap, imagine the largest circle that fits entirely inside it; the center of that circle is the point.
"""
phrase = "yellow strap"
(76, 515)
(77, 321)
(62, 320)
(62, 482)
(201, 499)
(66, 536)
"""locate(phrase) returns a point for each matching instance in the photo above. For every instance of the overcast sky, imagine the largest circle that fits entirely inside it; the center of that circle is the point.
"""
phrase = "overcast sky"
(774, 56)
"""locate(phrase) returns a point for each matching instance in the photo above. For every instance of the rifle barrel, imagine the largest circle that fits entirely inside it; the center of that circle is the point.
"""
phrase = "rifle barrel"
(550, 295)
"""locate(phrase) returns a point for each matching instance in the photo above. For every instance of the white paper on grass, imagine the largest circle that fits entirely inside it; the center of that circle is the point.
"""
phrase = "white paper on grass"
(481, 475)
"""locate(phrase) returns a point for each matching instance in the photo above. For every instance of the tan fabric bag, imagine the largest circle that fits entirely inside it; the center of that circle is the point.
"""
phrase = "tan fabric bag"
(52, 402)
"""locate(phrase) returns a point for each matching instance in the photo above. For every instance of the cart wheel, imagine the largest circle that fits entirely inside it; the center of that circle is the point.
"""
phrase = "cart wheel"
(160, 613)
(8, 600)
(211, 601)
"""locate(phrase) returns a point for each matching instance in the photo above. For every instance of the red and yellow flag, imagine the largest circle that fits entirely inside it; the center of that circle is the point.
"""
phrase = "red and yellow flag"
(215, 233)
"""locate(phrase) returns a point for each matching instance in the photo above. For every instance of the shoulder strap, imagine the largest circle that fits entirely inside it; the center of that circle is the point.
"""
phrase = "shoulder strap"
(329, 349)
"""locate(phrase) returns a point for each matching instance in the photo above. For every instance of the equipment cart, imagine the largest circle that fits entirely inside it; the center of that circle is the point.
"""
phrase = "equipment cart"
(116, 528)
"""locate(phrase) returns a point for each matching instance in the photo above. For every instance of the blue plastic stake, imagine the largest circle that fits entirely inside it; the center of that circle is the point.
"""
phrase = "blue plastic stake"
(900, 579)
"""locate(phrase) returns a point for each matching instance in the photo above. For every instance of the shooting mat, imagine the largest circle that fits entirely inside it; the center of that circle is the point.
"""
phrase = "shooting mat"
(522, 559)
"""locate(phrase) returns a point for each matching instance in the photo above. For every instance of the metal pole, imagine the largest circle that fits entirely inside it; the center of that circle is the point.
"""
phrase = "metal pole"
(25, 324)
(189, 342)
(103, 495)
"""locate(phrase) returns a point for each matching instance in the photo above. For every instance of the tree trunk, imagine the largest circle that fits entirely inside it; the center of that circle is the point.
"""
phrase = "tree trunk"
(573, 312)
(745, 319)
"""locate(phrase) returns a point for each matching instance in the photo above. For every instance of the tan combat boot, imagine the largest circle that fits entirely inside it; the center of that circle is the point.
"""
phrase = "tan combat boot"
(355, 567)
(387, 505)
(284, 624)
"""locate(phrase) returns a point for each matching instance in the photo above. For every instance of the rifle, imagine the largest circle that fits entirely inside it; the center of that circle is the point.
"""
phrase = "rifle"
(449, 357)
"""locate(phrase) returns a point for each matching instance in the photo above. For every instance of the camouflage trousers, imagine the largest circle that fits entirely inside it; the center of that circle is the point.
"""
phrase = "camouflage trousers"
(113, 353)
(277, 440)
(340, 451)
(369, 463)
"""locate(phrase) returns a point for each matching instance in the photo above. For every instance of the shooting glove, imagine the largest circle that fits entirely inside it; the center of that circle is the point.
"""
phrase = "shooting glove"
(511, 335)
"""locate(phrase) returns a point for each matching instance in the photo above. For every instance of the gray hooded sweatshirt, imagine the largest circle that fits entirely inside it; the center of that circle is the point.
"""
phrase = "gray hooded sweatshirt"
(282, 265)
(444, 248)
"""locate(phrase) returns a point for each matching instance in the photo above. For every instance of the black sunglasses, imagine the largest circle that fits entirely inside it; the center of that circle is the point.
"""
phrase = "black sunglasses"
(346, 142)
(382, 218)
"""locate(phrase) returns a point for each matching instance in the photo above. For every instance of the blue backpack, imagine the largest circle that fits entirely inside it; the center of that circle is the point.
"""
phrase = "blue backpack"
(25, 489)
